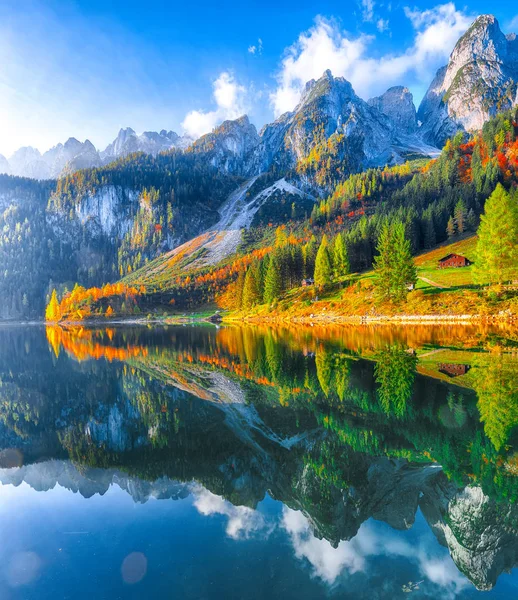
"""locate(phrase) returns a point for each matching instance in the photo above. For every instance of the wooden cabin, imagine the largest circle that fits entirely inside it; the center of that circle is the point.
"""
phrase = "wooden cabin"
(453, 260)
(308, 282)
(453, 369)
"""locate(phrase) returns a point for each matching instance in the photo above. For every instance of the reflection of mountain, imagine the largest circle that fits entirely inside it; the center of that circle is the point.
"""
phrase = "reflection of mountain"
(46, 475)
(339, 438)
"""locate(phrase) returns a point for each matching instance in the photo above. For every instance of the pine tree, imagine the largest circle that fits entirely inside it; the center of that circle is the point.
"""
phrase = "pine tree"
(497, 246)
(323, 270)
(251, 288)
(430, 238)
(471, 220)
(450, 228)
(239, 287)
(384, 264)
(53, 313)
(394, 266)
(272, 282)
(340, 258)
(405, 273)
(459, 215)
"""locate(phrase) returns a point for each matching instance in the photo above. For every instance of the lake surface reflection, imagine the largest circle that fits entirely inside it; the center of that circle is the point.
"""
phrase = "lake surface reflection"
(204, 462)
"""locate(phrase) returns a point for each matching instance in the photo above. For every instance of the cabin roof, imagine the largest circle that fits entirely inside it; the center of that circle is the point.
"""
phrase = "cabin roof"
(451, 255)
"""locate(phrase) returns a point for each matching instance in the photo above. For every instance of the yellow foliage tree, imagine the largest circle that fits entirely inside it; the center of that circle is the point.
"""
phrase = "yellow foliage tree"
(53, 312)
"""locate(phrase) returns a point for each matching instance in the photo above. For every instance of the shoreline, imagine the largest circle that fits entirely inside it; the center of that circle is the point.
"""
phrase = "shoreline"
(332, 319)
(312, 319)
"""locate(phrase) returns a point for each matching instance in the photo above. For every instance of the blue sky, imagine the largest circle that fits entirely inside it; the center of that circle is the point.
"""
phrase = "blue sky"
(87, 68)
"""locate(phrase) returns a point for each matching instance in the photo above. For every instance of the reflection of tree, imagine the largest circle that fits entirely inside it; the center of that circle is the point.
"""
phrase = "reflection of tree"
(324, 363)
(497, 389)
(395, 373)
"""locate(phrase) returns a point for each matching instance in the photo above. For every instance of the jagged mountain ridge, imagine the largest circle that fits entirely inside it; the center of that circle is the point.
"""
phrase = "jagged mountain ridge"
(480, 80)
(329, 120)
(74, 155)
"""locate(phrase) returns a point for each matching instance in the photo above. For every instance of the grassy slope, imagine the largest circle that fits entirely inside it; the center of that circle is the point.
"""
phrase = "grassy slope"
(455, 294)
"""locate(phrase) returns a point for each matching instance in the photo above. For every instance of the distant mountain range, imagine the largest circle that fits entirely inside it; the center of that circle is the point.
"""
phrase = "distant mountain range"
(74, 155)
(480, 79)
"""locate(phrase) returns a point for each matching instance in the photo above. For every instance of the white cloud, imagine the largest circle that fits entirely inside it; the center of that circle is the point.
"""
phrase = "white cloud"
(327, 46)
(382, 25)
(243, 522)
(231, 103)
(368, 10)
(256, 48)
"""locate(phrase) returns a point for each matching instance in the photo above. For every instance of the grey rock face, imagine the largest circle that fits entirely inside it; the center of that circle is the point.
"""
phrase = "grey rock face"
(397, 103)
(479, 532)
(229, 145)
(4, 165)
(479, 81)
(150, 142)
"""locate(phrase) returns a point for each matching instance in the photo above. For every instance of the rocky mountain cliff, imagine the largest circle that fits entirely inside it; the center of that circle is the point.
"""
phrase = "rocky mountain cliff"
(331, 124)
(480, 80)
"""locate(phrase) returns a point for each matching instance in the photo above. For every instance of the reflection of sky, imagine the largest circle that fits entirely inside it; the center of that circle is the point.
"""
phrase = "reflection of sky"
(57, 544)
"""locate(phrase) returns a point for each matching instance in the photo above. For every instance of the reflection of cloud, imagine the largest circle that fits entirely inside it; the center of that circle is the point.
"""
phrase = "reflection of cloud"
(243, 522)
(329, 563)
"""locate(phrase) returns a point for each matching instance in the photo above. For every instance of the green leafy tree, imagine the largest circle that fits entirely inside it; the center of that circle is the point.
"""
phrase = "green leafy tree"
(323, 270)
(497, 246)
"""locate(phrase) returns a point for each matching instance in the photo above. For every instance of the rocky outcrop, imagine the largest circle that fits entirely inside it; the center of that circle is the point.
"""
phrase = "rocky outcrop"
(397, 103)
(479, 81)
(228, 147)
(329, 108)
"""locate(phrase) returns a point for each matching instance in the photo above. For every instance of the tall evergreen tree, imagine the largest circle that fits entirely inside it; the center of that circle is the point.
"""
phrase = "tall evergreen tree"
(450, 228)
(460, 215)
(394, 266)
(497, 246)
(251, 295)
(340, 257)
(272, 282)
(240, 285)
(323, 270)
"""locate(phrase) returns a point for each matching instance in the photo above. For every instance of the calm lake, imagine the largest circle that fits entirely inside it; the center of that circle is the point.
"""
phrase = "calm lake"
(198, 462)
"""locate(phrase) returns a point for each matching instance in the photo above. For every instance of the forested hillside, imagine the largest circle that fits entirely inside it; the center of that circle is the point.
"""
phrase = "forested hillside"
(433, 200)
(94, 226)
